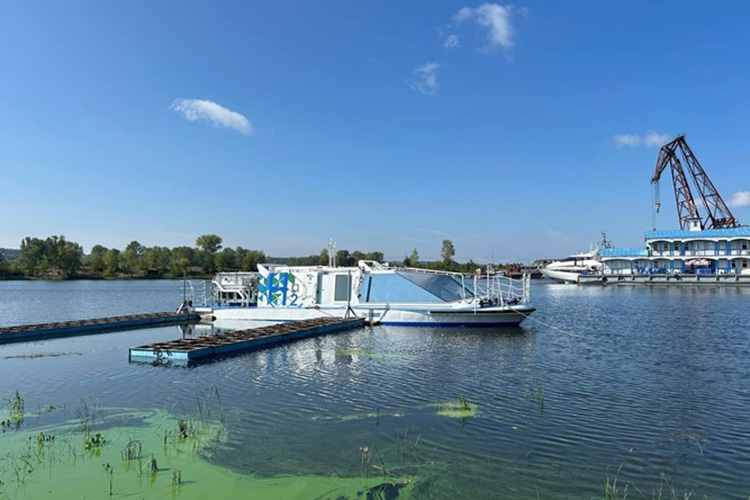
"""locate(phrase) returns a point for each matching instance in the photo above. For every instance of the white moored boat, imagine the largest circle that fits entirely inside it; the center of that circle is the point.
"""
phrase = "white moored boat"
(569, 269)
(377, 292)
(572, 267)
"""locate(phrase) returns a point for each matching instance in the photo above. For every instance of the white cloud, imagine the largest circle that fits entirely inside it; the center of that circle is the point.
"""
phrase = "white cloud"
(654, 139)
(424, 78)
(650, 139)
(451, 42)
(495, 19)
(627, 139)
(201, 109)
(740, 199)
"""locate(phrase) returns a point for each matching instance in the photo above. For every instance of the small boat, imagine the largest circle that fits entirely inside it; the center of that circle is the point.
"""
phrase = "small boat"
(371, 290)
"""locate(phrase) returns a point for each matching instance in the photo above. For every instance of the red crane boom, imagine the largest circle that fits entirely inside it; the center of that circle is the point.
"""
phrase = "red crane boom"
(718, 213)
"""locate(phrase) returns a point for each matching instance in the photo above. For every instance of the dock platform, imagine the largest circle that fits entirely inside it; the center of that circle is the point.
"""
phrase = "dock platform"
(42, 331)
(231, 343)
(667, 279)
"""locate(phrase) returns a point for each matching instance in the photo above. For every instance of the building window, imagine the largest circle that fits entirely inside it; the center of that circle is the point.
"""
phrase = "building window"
(744, 245)
(744, 263)
(687, 245)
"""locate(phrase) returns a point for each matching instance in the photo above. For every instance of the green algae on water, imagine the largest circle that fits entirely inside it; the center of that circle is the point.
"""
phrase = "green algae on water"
(154, 455)
(462, 408)
(369, 354)
(357, 416)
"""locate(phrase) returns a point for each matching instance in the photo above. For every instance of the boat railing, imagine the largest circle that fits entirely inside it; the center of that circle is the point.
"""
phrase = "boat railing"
(234, 288)
(501, 290)
(195, 294)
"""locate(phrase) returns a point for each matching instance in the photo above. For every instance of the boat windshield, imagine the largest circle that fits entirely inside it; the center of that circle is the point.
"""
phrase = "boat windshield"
(412, 286)
(445, 287)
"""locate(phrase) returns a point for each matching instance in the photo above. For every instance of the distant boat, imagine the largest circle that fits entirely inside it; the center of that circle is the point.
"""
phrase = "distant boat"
(572, 267)
(569, 269)
(374, 291)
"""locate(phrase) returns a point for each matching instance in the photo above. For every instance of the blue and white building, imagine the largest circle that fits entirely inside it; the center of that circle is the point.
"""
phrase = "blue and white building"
(694, 251)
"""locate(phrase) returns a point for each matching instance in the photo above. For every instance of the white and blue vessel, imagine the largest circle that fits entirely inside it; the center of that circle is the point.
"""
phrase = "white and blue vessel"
(378, 292)
(721, 252)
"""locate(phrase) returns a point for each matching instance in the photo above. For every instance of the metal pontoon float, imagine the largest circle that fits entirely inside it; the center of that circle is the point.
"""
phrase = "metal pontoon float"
(230, 343)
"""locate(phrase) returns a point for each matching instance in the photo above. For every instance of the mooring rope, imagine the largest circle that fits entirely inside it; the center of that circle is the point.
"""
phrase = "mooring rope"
(548, 325)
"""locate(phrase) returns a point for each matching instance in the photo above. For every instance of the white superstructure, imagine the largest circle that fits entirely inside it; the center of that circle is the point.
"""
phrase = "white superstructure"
(569, 269)
(377, 292)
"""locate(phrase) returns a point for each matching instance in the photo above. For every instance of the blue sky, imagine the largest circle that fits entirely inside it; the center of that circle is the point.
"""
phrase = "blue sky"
(516, 131)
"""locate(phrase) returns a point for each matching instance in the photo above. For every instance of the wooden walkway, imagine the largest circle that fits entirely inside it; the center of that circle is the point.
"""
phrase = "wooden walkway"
(32, 333)
(185, 350)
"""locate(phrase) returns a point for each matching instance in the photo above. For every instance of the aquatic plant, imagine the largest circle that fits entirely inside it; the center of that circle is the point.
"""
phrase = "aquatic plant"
(44, 439)
(94, 443)
(43, 355)
(132, 450)
(88, 414)
(664, 491)
(109, 470)
(408, 448)
(535, 393)
(151, 466)
(462, 408)
(611, 490)
(69, 471)
(365, 353)
(17, 407)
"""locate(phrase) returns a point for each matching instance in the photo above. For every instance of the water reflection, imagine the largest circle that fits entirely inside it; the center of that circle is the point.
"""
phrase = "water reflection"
(650, 379)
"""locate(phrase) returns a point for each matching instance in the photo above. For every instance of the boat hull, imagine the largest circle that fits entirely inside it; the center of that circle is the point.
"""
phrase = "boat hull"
(508, 316)
(561, 276)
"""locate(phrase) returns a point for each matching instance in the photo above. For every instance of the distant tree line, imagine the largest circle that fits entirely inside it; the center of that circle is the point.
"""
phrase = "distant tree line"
(56, 257)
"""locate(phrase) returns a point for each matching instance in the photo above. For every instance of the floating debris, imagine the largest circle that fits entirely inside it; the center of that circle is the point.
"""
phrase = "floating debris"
(43, 355)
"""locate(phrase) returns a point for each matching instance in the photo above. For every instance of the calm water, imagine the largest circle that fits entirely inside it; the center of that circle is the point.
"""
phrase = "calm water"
(653, 382)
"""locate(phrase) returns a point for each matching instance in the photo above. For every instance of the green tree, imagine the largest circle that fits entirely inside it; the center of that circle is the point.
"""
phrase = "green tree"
(226, 260)
(412, 260)
(157, 260)
(70, 258)
(343, 259)
(32, 254)
(112, 262)
(209, 245)
(447, 252)
(182, 259)
(53, 250)
(375, 256)
(95, 261)
(132, 258)
(252, 259)
(240, 254)
(323, 257)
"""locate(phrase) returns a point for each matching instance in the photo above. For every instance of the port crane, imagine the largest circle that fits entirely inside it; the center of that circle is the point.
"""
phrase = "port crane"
(718, 214)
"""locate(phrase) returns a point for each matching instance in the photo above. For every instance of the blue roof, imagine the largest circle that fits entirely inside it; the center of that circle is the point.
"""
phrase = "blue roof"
(708, 233)
(624, 252)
